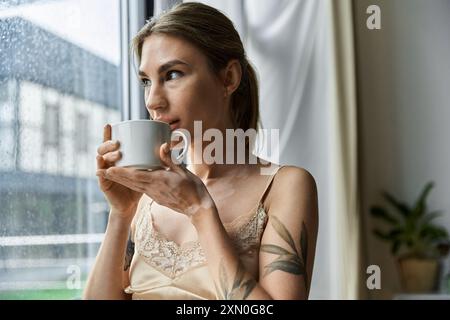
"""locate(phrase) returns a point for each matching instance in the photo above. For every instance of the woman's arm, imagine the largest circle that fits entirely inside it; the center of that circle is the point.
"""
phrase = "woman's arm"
(289, 241)
(288, 244)
(105, 279)
(109, 274)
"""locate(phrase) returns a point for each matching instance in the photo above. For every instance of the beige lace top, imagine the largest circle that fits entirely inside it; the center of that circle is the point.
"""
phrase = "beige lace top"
(162, 269)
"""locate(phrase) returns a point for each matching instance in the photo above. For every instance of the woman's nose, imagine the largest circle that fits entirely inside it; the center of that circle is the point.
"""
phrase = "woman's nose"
(154, 98)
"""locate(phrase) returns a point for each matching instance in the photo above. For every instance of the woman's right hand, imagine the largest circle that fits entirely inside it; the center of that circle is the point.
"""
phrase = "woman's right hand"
(121, 199)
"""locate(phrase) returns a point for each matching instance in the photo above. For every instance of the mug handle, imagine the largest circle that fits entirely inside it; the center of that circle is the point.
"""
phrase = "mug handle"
(186, 145)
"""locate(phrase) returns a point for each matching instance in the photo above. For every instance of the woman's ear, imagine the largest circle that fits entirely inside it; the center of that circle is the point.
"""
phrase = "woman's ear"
(231, 77)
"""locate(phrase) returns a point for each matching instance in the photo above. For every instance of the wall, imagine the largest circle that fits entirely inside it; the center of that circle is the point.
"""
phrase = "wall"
(403, 73)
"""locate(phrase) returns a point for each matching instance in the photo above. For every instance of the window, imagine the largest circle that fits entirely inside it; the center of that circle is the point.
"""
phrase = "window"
(51, 125)
(82, 138)
(60, 82)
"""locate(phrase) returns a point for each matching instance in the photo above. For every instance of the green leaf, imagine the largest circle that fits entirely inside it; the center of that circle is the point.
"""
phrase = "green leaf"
(395, 233)
(395, 247)
(401, 207)
(420, 206)
(392, 235)
(433, 233)
(381, 213)
(381, 235)
(283, 232)
(416, 231)
(270, 248)
(426, 219)
(409, 243)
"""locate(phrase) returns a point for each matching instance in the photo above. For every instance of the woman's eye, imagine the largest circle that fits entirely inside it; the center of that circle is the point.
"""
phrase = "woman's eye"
(146, 82)
(171, 75)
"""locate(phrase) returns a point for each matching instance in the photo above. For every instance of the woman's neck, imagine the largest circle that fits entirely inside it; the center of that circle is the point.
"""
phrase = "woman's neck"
(208, 161)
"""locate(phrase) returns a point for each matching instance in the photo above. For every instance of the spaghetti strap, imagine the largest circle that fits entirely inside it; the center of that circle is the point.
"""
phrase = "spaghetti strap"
(267, 187)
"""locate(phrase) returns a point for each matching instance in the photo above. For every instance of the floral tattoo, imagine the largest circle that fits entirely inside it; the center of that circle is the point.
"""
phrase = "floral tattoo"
(288, 261)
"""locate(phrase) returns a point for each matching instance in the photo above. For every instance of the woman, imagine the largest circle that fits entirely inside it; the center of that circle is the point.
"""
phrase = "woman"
(204, 231)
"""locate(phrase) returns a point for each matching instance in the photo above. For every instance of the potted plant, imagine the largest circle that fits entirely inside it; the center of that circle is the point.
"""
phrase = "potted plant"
(416, 242)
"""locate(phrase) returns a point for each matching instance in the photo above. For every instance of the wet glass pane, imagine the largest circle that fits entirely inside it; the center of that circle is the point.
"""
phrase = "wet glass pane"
(59, 84)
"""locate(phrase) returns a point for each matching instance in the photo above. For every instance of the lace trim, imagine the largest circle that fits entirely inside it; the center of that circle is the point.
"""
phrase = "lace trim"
(163, 254)
(173, 260)
(247, 236)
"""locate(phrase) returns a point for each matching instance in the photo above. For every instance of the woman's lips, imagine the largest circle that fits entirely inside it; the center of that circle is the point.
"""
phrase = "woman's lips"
(174, 124)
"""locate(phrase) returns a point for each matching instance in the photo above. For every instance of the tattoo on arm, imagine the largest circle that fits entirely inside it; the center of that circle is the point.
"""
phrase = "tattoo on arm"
(240, 289)
(129, 253)
(291, 262)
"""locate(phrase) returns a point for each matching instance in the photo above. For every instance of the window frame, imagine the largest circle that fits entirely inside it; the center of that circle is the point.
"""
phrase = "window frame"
(133, 14)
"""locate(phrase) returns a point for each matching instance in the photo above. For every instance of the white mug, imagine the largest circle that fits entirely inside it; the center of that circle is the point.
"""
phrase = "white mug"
(140, 141)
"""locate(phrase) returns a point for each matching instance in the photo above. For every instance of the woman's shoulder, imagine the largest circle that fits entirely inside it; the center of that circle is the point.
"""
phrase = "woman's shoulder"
(293, 174)
(290, 182)
(293, 196)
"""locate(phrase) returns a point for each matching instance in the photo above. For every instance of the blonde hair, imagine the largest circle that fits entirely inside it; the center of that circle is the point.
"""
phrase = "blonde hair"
(215, 36)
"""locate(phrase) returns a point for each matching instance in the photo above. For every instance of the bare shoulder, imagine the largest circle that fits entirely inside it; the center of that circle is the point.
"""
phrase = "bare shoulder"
(297, 173)
(294, 189)
(291, 180)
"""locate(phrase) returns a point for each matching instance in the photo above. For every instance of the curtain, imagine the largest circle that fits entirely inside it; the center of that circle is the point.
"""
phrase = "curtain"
(344, 145)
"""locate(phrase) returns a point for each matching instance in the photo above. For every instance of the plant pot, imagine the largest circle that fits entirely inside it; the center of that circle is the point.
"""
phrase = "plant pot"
(418, 275)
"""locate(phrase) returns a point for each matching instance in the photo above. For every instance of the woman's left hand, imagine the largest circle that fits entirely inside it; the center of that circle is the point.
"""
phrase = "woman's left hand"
(176, 187)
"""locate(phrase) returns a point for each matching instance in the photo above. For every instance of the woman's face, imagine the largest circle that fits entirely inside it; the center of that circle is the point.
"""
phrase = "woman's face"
(179, 86)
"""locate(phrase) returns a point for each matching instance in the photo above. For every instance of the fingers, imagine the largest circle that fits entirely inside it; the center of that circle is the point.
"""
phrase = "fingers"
(106, 132)
(101, 167)
(101, 163)
(105, 185)
(138, 176)
(104, 158)
(127, 173)
(166, 158)
(108, 146)
(107, 160)
(112, 157)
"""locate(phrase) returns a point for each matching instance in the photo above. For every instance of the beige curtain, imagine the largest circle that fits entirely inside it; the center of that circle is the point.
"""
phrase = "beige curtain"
(344, 145)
